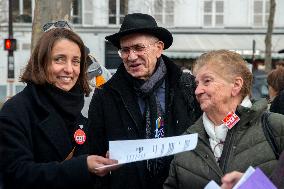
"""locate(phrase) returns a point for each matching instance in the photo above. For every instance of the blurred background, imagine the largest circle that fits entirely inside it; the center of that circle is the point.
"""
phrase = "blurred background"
(253, 28)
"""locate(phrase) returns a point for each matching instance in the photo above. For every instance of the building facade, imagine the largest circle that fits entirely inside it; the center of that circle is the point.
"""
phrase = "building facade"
(197, 26)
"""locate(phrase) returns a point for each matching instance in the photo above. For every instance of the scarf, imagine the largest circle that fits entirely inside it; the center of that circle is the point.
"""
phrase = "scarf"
(153, 114)
(147, 91)
(67, 104)
(217, 134)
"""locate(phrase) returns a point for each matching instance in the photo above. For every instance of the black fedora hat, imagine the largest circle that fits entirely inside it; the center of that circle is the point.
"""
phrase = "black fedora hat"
(141, 23)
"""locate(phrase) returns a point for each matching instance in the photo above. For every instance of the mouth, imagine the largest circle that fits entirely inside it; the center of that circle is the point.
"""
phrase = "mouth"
(65, 79)
(201, 99)
(135, 65)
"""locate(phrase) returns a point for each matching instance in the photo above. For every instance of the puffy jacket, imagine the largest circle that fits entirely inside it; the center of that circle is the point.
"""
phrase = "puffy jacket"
(245, 146)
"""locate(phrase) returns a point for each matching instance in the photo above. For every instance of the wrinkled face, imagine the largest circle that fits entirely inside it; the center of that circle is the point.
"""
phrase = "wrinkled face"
(139, 54)
(213, 92)
(64, 68)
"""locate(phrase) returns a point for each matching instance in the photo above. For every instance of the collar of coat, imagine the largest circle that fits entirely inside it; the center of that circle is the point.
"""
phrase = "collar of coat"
(247, 117)
(126, 93)
(51, 123)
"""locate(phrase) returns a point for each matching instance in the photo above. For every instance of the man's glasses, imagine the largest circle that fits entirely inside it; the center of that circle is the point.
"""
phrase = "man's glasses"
(58, 24)
(138, 49)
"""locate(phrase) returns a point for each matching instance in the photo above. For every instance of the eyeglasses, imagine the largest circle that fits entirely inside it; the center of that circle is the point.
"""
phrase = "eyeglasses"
(138, 49)
(58, 24)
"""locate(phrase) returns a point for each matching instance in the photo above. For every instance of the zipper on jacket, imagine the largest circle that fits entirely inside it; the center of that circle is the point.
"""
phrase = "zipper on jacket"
(227, 152)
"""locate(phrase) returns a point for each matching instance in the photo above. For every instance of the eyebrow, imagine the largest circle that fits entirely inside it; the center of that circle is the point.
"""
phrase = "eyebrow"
(133, 45)
(206, 75)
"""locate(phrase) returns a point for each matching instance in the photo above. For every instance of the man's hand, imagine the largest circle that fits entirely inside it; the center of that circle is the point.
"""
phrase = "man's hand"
(230, 179)
(94, 162)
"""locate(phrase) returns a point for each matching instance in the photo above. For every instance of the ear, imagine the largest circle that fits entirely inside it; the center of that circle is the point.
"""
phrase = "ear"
(237, 86)
(160, 48)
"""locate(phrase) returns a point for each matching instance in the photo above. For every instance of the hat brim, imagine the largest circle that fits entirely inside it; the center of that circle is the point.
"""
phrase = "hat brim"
(159, 32)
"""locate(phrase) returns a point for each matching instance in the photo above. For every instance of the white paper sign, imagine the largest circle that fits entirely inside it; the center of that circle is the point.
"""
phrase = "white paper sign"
(126, 151)
(212, 185)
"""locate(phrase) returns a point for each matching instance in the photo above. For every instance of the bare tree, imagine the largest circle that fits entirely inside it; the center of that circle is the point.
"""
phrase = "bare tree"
(46, 11)
(268, 36)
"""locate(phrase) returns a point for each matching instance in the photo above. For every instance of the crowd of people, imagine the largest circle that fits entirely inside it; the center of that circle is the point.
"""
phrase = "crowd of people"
(55, 133)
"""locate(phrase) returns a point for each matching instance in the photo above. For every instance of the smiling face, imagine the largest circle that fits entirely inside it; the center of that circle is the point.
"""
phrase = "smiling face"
(64, 68)
(213, 92)
(142, 52)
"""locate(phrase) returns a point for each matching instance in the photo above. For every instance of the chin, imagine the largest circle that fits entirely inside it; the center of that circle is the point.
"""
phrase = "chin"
(64, 88)
(135, 74)
(204, 107)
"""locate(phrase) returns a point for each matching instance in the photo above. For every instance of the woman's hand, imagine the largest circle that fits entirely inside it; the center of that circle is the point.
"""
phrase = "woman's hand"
(230, 179)
(94, 163)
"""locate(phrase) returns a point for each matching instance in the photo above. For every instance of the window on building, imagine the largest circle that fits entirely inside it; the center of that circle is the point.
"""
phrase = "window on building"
(260, 12)
(22, 11)
(213, 13)
(112, 60)
(117, 10)
(164, 12)
(76, 12)
(88, 12)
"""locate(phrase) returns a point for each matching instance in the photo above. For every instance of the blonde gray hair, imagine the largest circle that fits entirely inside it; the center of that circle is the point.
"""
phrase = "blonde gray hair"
(228, 64)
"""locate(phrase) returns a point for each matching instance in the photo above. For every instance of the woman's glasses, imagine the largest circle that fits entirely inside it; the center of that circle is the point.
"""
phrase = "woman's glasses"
(58, 24)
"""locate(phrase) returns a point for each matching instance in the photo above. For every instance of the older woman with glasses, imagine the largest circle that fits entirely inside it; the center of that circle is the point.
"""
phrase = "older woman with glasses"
(230, 132)
(44, 136)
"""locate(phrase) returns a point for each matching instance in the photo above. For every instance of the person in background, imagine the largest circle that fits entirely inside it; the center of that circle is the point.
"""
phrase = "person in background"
(147, 87)
(230, 134)
(259, 84)
(44, 136)
(279, 64)
(97, 76)
(275, 80)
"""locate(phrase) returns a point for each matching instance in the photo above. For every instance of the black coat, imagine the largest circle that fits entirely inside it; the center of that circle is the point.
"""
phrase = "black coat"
(114, 114)
(36, 143)
(277, 105)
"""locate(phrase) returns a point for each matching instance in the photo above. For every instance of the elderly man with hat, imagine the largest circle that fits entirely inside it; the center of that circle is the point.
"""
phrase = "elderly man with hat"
(148, 97)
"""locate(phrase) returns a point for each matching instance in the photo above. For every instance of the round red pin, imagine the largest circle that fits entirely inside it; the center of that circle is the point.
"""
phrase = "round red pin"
(80, 136)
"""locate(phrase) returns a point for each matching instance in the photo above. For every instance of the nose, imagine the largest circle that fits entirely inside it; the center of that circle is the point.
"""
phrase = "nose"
(68, 68)
(199, 90)
(132, 55)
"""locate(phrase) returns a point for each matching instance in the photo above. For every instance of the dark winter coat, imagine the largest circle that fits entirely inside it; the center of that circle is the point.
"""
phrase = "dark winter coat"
(114, 114)
(36, 143)
(245, 145)
(277, 105)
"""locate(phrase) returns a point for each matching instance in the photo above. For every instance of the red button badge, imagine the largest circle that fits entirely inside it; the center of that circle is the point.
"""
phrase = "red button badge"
(80, 136)
(231, 119)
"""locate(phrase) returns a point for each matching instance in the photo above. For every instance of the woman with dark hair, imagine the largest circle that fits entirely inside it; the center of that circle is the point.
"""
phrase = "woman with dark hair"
(44, 135)
(275, 80)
